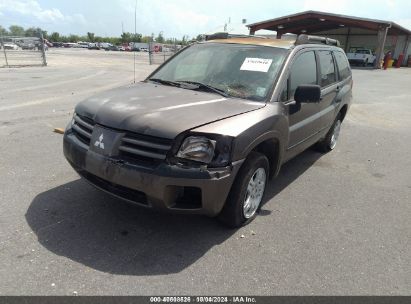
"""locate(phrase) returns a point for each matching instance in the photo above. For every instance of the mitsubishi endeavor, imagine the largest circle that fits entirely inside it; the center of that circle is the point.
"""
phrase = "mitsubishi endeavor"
(207, 129)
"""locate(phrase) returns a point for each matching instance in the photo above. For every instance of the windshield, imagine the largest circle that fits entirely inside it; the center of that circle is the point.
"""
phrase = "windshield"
(243, 71)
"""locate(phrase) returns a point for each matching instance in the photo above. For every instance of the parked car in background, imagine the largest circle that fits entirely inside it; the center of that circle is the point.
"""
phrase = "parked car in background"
(70, 45)
(93, 46)
(28, 45)
(83, 45)
(203, 136)
(104, 45)
(57, 44)
(362, 57)
(143, 49)
(112, 48)
(10, 46)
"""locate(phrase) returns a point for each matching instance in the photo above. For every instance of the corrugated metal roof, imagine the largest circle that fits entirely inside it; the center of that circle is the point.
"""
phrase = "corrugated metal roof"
(331, 15)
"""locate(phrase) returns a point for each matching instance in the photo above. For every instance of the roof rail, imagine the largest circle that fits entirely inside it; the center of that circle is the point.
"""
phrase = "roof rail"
(225, 35)
(308, 39)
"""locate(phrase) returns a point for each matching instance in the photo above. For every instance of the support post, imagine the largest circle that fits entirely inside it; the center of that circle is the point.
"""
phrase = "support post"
(405, 51)
(279, 34)
(150, 52)
(43, 51)
(347, 39)
(379, 53)
(252, 32)
(4, 50)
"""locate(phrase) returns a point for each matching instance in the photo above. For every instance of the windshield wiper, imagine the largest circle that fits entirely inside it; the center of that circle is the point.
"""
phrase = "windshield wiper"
(166, 82)
(205, 86)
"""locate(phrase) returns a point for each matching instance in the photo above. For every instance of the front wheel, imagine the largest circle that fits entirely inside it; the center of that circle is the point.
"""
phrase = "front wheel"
(247, 192)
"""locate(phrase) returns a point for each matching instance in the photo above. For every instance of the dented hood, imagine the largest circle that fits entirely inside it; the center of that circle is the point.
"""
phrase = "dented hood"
(160, 110)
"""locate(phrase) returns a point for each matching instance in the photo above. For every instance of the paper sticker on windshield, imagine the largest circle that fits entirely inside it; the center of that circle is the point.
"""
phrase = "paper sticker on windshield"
(256, 64)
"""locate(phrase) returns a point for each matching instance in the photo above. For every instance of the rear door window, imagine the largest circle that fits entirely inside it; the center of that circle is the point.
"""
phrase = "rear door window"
(343, 65)
(327, 69)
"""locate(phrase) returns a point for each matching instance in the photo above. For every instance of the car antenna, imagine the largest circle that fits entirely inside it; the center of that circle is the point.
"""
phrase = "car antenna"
(135, 35)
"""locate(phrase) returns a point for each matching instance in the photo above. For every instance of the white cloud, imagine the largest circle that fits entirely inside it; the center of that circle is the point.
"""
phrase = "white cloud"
(169, 17)
(33, 8)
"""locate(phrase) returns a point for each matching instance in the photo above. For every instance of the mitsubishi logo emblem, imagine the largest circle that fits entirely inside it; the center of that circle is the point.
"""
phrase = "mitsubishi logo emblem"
(99, 142)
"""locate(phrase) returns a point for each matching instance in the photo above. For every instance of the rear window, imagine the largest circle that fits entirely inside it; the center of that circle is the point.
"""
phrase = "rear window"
(343, 65)
(327, 71)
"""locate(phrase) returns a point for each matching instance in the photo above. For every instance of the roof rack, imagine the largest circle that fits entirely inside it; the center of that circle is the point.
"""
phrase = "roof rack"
(308, 39)
(225, 35)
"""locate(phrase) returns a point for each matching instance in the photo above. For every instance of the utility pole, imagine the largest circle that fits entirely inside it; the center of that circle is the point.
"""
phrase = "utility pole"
(135, 34)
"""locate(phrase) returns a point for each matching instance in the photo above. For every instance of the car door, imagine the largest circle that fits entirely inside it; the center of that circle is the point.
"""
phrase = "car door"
(329, 89)
(303, 117)
(344, 80)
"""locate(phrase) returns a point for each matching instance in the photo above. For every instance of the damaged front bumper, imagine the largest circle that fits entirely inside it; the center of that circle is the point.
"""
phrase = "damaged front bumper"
(164, 187)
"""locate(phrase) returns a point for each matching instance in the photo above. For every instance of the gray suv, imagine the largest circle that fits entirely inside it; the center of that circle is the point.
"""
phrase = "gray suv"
(208, 128)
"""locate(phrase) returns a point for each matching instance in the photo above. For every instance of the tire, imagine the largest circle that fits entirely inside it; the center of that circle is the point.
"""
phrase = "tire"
(365, 63)
(330, 140)
(235, 213)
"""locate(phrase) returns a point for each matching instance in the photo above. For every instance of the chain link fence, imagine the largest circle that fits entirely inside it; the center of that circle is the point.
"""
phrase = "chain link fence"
(22, 51)
(161, 53)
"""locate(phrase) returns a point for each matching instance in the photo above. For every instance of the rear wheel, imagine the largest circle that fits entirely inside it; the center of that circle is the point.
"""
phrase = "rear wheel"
(331, 139)
(247, 192)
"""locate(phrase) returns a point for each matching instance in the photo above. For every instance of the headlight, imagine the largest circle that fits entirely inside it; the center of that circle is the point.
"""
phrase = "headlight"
(199, 149)
(71, 123)
(214, 152)
(73, 120)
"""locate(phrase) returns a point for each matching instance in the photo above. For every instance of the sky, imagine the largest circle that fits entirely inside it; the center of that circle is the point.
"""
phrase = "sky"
(176, 18)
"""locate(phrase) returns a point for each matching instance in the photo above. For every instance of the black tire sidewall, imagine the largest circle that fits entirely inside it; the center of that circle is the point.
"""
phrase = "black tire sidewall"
(325, 144)
(233, 214)
(330, 134)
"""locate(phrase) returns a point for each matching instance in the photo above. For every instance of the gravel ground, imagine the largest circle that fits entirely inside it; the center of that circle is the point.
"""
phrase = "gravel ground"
(335, 224)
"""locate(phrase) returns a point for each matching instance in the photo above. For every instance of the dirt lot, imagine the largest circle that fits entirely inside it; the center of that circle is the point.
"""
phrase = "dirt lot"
(336, 224)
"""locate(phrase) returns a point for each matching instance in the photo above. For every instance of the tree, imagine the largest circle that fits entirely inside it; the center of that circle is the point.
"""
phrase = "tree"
(3, 31)
(90, 36)
(73, 38)
(200, 37)
(160, 38)
(126, 37)
(16, 30)
(32, 32)
(55, 37)
(184, 40)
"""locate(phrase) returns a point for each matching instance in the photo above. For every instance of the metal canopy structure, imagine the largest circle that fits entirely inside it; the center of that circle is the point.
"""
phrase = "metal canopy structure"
(314, 22)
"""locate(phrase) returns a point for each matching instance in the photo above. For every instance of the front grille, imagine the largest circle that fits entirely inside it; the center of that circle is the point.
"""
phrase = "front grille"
(135, 196)
(144, 149)
(83, 128)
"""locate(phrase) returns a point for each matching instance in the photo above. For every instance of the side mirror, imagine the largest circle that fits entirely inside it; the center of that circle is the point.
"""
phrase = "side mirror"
(307, 93)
